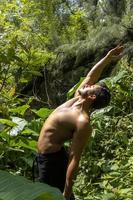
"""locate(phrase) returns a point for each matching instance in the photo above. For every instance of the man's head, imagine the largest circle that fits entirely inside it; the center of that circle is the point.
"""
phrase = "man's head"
(98, 94)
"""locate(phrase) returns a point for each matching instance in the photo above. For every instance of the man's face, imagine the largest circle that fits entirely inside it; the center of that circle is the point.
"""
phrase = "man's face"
(89, 89)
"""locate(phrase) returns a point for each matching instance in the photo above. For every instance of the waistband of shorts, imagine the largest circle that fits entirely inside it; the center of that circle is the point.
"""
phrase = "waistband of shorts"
(61, 151)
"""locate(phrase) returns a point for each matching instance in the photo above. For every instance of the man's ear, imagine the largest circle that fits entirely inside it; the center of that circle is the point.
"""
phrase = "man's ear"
(92, 97)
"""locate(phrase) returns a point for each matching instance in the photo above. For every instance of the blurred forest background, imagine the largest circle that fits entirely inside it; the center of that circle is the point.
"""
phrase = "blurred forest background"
(46, 47)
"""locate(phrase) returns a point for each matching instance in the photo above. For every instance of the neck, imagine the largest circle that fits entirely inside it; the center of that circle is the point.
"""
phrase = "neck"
(83, 104)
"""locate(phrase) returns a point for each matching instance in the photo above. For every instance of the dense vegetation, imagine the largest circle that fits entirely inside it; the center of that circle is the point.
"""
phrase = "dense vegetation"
(45, 47)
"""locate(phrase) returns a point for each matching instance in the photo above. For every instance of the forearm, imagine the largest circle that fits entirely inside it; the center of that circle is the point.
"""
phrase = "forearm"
(95, 73)
(68, 188)
(70, 177)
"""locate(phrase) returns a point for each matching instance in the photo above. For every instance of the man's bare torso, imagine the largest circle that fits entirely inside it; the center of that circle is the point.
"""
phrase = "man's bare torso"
(60, 126)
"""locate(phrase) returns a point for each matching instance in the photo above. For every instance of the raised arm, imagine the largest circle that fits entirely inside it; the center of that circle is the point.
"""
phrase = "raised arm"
(96, 71)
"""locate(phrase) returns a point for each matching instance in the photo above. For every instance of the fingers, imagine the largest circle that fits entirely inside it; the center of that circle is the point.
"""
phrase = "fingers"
(117, 57)
(117, 50)
(120, 49)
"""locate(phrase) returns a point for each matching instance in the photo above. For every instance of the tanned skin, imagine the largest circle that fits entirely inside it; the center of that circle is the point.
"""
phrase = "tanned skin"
(71, 121)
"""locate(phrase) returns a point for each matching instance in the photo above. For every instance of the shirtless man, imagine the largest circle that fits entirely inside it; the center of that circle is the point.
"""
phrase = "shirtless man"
(71, 121)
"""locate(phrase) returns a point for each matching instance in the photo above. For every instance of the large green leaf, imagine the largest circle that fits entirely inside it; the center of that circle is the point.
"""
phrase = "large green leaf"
(7, 122)
(74, 88)
(42, 112)
(27, 144)
(20, 109)
(19, 188)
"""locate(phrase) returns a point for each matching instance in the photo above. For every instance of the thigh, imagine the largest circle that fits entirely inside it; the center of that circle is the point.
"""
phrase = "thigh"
(58, 170)
(52, 169)
(43, 170)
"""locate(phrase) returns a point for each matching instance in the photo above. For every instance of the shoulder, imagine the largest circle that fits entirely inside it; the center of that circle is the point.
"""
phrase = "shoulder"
(83, 119)
(83, 123)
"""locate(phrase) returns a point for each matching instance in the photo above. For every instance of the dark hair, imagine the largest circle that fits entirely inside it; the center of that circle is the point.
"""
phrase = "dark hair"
(102, 97)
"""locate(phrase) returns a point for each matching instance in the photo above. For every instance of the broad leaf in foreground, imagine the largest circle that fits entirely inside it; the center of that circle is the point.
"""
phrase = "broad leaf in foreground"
(19, 188)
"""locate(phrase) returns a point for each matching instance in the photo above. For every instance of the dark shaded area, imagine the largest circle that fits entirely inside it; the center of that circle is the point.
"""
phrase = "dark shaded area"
(71, 63)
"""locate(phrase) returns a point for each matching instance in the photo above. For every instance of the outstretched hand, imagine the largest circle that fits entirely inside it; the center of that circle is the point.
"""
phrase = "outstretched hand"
(116, 53)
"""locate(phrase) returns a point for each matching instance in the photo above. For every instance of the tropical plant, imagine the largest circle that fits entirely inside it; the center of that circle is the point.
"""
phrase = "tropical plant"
(45, 47)
(19, 188)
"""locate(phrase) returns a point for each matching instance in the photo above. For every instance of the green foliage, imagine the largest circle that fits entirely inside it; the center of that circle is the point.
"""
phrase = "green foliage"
(43, 112)
(19, 133)
(19, 110)
(7, 122)
(66, 37)
(106, 170)
(74, 88)
(16, 187)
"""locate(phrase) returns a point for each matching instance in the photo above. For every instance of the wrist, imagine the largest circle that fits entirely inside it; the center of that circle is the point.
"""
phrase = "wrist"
(108, 57)
(67, 192)
(66, 196)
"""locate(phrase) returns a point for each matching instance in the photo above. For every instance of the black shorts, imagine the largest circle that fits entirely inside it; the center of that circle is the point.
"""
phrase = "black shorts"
(52, 168)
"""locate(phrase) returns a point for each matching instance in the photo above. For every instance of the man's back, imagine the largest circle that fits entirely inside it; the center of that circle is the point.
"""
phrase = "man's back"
(60, 126)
